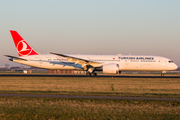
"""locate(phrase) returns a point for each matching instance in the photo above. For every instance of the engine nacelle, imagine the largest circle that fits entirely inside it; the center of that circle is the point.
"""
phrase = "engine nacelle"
(111, 68)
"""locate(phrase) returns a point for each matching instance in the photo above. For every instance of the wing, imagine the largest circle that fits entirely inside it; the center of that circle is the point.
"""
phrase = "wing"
(86, 64)
(17, 58)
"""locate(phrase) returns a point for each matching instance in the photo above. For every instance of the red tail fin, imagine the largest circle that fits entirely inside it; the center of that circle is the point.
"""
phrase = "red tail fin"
(22, 47)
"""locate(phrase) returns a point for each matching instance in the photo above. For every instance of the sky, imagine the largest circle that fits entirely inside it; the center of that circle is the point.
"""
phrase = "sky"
(137, 27)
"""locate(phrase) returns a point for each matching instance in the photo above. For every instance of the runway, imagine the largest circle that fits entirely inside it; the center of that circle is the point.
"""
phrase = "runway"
(114, 76)
(88, 97)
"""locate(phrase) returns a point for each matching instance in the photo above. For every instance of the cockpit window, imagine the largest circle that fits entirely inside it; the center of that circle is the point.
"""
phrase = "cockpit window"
(170, 61)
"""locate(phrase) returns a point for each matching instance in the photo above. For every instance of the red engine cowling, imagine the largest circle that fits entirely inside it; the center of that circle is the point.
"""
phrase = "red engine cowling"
(111, 68)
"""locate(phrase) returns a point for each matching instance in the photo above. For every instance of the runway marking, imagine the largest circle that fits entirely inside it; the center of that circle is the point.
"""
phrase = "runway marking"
(88, 97)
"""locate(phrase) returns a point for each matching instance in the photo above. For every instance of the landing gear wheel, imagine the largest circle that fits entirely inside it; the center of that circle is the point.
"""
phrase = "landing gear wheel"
(88, 74)
(94, 74)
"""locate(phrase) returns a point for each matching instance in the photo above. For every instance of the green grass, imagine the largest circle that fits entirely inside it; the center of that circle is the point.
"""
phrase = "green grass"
(59, 108)
(79, 109)
(146, 87)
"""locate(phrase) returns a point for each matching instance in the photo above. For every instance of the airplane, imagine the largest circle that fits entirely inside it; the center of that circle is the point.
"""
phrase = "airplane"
(112, 64)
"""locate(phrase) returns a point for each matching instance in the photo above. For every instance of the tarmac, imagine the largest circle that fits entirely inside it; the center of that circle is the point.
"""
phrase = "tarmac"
(115, 76)
(89, 97)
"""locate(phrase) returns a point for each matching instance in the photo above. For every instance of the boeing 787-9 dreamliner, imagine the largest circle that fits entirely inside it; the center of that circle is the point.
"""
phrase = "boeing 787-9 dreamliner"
(112, 64)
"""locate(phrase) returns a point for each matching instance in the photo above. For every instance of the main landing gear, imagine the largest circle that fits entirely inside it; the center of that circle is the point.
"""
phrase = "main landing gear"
(163, 72)
(91, 74)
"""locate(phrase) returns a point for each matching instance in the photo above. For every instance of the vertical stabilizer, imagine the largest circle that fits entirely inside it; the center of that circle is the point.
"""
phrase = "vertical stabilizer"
(23, 48)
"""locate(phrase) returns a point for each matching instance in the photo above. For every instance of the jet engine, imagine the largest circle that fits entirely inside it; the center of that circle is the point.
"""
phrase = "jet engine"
(110, 68)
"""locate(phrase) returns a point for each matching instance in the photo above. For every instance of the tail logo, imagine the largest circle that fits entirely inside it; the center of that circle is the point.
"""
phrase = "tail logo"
(23, 48)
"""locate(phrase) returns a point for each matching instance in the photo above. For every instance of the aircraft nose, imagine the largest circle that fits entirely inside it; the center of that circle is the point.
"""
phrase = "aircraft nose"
(175, 66)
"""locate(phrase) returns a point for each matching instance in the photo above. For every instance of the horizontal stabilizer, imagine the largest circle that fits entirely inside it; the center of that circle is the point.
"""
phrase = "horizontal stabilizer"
(17, 58)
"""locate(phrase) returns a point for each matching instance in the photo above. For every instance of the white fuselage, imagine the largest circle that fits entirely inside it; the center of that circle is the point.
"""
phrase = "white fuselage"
(125, 62)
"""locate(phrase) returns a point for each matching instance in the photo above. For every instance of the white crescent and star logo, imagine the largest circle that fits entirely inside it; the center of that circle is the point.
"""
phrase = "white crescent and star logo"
(23, 48)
